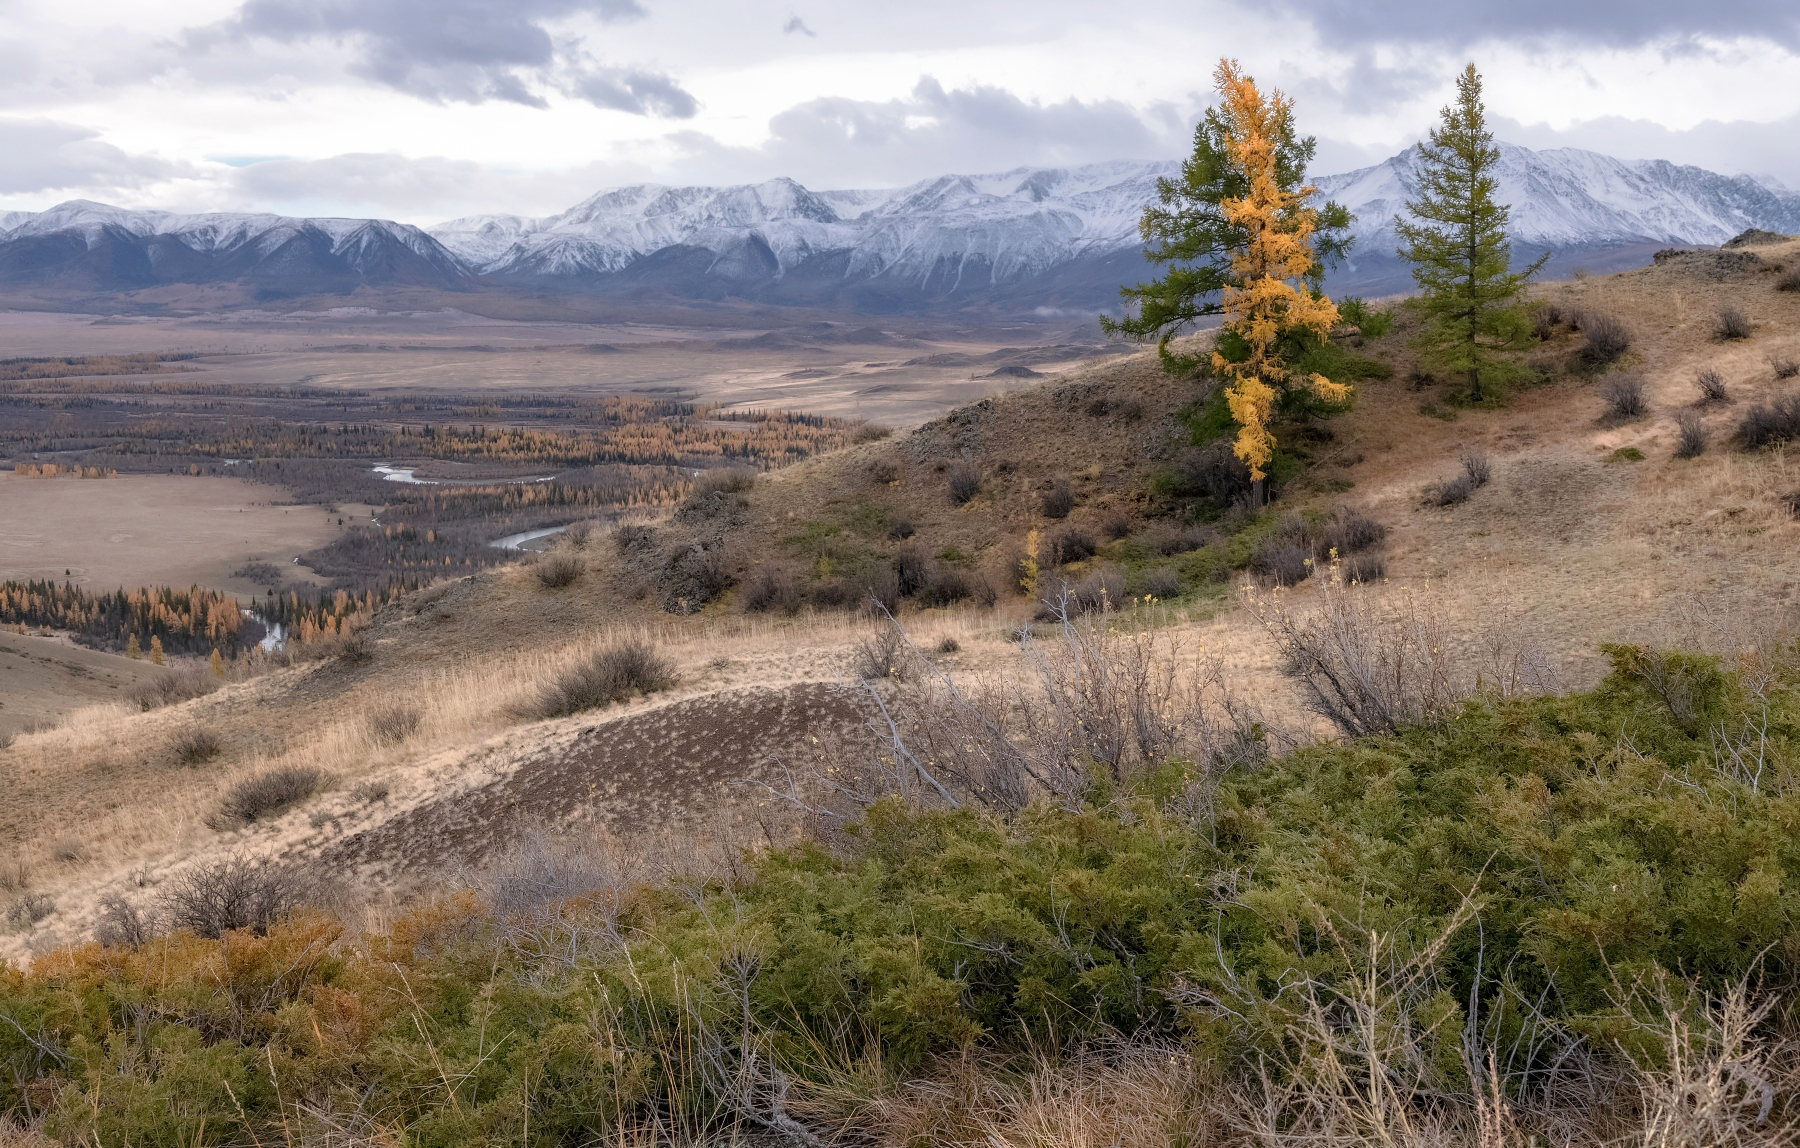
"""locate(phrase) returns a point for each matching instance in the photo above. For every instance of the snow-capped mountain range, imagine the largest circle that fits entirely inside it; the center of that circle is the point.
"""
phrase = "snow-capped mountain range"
(1031, 237)
(1013, 224)
(94, 246)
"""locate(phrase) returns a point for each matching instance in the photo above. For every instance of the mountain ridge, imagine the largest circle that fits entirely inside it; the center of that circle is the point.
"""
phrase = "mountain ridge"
(1024, 239)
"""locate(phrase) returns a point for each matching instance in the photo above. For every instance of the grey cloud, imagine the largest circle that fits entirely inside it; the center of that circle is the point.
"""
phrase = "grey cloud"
(1596, 21)
(796, 24)
(470, 51)
(629, 90)
(417, 190)
(838, 142)
(47, 156)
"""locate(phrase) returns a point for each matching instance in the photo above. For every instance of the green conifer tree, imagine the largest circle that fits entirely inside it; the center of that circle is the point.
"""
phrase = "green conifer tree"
(1457, 244)
(1187, 231)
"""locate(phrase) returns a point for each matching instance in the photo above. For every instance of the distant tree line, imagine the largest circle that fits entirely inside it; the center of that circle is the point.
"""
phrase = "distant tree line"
(597, 432)
(192, 621)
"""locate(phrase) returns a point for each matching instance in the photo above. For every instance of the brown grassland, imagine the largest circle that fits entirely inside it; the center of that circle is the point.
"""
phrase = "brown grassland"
(153, 530)
(433, 762)
(1572, 545)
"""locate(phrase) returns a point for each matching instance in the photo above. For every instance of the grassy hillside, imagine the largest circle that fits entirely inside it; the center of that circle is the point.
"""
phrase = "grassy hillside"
(1383, 923)
(1151, 932)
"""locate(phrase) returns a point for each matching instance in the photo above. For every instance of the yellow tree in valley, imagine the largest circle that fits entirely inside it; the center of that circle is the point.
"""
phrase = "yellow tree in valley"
(1261, 302)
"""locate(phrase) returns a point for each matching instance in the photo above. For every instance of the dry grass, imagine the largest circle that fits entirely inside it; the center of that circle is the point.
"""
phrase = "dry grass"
(606, 677)
(1592, 552)
(268, 793)
(195, 745)
(174, 687)
(1138, 1094)
(559, 569)
(394, 724)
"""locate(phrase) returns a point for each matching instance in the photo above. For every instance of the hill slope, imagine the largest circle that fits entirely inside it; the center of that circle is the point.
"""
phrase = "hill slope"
(1591, 530)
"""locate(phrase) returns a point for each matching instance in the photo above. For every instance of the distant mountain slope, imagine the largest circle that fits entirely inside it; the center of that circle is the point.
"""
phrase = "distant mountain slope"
(1576, 203)
(951, 239)
(1060, 236)
(1053, 240)
(90, 246)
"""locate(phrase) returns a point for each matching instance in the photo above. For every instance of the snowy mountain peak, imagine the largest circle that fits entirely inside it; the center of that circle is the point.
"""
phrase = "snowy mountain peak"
(1061, 237)
(1570, 197)
(99, 246)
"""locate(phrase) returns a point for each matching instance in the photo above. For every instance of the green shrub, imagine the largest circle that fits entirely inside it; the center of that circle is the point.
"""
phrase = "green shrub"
(1569, 847)
(1357, 313)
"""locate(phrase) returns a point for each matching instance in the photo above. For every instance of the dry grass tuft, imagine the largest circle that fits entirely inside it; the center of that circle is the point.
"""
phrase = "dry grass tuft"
(173, 688)
(1691, 435)
(394, 724)
(371, 792)
(68, 851)
(1135, 1094)
(611, 675)
(558, 570)
(265, 794)
(1731, 324)
(1784, 366)
(195, 745)
(725, 480)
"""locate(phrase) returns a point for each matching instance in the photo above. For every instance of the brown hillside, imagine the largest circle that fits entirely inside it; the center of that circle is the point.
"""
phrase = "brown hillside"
(1590, 531)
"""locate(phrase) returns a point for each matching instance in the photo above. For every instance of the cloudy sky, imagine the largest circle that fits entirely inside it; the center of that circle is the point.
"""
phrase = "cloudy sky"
(422, 110)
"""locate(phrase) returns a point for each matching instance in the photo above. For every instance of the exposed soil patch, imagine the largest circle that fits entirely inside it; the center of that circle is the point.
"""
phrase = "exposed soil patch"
(638, 772)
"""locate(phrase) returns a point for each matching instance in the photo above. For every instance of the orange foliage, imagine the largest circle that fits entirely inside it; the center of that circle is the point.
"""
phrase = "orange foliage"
(1263, 301)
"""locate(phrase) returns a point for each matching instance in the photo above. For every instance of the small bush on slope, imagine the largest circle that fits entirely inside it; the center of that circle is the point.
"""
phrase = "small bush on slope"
(1600, 840)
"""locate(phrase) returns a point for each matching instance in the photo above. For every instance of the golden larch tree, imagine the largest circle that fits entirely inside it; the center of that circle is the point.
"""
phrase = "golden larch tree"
(156, 653)
(1261, 302)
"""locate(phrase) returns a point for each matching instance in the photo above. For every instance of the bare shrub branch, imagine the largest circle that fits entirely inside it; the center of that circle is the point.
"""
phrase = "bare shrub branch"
(235, 893)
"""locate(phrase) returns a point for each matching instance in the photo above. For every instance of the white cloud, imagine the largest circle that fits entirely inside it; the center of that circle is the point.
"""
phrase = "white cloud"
(47, 157)
(421, 109)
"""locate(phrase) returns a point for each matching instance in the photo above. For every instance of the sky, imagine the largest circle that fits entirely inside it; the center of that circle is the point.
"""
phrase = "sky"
(425, 110)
